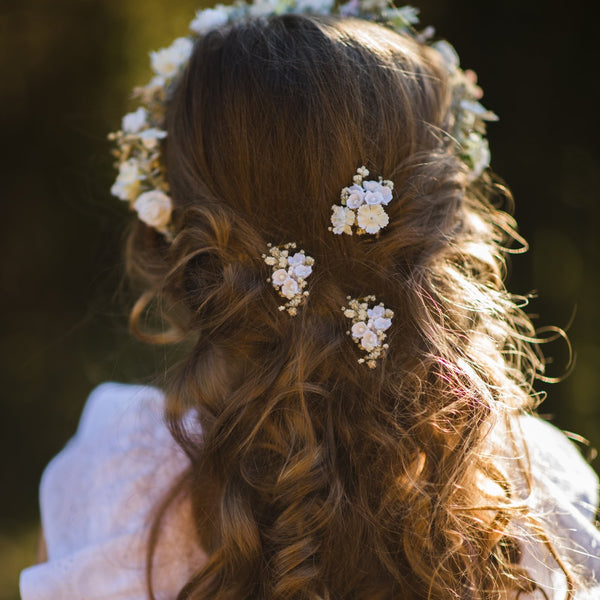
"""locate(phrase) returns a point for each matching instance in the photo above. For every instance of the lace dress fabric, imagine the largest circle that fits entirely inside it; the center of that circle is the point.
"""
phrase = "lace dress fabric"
(98, 495)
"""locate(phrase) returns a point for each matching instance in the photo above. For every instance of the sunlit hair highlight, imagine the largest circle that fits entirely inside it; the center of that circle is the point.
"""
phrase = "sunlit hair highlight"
(312, 477)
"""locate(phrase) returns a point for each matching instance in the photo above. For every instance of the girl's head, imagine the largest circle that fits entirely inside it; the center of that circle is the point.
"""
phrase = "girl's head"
(314, 476)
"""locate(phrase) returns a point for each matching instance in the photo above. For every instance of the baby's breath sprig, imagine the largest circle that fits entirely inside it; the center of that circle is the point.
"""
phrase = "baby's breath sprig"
(368, 327)
(290, 270)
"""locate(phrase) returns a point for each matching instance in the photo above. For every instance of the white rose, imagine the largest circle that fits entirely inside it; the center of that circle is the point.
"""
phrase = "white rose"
(359, 329)
(279, 277)
(133, 122)
(355, 197)
(372, 218)
(376, 312)
(154, 208)
(302, 270)
(208, 19)
(151, 136)
(342, 219)
(297, 259)
(373, 198)
(289, 288)
(381, 323)
(369, 340)
(386, 193)
(128, 181)
(167, 61)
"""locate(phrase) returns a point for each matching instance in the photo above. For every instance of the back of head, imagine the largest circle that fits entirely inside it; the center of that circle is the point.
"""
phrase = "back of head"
(315, 476)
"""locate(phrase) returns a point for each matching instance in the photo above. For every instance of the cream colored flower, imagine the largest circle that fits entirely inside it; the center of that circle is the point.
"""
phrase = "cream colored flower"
(372, 218)
(369, 340)
(127, 184)
(290, 288)
(342, 219)
(154, 208)
(167, 61)
(279, 277)
(208, 19)
(359, 329)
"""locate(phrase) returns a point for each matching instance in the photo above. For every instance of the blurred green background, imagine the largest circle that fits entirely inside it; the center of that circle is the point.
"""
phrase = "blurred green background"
(67, 70)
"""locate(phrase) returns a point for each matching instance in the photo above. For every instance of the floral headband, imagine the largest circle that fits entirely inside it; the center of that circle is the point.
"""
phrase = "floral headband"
(141, 180)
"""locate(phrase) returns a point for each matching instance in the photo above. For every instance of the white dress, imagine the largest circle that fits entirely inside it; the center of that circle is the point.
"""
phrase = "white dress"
(98, 494)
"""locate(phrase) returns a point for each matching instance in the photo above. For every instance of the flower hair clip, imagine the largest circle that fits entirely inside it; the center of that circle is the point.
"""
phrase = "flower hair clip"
(362, 205)
(368, 327)
(290, 271)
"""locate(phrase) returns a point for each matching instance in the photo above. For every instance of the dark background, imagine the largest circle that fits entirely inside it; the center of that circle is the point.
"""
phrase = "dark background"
(67, 69)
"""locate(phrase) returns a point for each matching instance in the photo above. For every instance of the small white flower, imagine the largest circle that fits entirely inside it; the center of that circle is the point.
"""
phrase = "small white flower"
(128, 180)
(382, 324)
(342, 219)
(373, 198)
(359, 329)
(372, 218)
(356, 196)
(289, 288)
(369, 340)
(376, 312)
(167, 61)
(297, 259)
(151, 136)
(210, 18)
(134, 121)
(362, 171)
(302, 270)
(279, 277)
(154, 208)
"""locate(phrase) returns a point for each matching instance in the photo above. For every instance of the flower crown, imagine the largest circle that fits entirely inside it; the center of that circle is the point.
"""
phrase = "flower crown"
(141, 180)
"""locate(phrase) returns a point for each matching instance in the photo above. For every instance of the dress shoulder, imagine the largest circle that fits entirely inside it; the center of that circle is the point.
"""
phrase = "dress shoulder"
(97, 499)
(563, 495)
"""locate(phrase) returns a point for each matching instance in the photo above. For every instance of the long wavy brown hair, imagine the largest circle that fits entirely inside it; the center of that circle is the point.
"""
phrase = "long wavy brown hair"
(314, 477)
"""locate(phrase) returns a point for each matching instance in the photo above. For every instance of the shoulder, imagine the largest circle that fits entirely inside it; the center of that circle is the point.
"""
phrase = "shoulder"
(562, 493)
(557, 464)
(98, 496)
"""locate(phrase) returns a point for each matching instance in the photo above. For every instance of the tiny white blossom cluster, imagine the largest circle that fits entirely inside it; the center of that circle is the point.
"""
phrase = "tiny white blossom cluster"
(368, 327)
(362, 205)
(290, 270)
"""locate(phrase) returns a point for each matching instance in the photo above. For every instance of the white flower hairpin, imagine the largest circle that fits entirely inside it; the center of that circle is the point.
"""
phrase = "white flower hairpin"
(362, 205)
(368, 327)
(290, 270)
